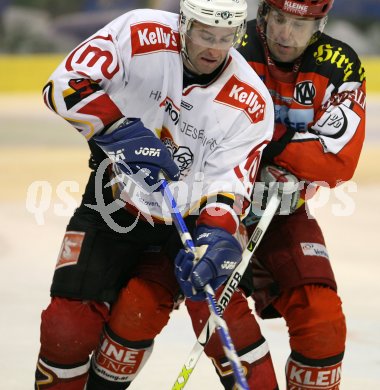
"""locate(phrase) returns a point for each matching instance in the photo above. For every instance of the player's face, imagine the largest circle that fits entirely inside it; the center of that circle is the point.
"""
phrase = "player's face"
(288, 35)
(207, 46)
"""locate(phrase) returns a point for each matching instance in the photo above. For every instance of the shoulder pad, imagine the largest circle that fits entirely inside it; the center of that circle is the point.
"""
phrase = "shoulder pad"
(334, 59)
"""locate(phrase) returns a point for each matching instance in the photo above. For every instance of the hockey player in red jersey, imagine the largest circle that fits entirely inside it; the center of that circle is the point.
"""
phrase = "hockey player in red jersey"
(317, 84)
(152, 91)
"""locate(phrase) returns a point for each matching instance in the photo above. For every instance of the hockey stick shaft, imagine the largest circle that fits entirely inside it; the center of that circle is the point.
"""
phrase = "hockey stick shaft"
(228, 290)
(215, 315)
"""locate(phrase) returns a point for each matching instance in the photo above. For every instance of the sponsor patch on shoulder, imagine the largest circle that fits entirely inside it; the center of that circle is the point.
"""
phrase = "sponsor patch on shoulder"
(150, 37)
(70, 249)
(314, 249)
(238, 94)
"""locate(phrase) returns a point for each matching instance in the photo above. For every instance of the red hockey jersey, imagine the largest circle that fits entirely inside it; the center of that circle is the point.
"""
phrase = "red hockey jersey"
(324, 103)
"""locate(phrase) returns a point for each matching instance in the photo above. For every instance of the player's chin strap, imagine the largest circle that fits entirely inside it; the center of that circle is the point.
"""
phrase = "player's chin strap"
(215, 314)
(228, 291)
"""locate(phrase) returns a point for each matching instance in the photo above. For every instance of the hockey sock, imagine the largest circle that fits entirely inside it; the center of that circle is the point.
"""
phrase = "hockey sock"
(257, 365)
(249, 343)
(314, 316)
(317, 331)
(60, 377)
(117, 361)
(70, 331)
(321, 374)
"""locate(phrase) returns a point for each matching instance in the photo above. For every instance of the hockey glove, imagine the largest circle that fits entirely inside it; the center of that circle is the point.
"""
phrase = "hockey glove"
(217, 255)
(275, 179)
(274, 148)
(137, 152)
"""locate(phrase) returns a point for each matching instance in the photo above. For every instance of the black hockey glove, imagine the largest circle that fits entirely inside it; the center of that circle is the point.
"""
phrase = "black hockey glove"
(274, 148)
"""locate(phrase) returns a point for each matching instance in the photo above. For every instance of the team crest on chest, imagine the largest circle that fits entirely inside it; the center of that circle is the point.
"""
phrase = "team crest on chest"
(304, 93)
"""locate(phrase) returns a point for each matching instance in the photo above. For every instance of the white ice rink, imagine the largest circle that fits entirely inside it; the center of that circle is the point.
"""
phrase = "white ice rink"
(36, 145)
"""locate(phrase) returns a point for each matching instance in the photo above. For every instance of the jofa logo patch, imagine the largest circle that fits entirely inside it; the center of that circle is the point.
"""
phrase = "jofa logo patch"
(153, 152)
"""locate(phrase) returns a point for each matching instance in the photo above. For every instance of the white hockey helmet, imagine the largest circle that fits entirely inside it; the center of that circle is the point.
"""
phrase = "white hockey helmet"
(215, 13)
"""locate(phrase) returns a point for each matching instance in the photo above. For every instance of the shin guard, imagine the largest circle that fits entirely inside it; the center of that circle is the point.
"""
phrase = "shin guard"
(117, 362)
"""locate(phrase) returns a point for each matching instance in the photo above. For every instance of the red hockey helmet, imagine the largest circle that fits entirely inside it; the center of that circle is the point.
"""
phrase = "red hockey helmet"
(289, 26)
(306, 8)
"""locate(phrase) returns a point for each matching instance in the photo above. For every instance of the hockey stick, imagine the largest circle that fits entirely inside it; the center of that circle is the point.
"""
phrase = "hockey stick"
(215, 314)
(228, 290)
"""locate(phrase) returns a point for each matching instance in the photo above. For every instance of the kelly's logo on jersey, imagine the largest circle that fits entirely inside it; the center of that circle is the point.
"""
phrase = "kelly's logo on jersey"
(152, 37)
(242, 96)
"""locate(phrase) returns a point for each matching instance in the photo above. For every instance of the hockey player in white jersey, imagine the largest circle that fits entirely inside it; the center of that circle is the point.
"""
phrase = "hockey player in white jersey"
(152, 92)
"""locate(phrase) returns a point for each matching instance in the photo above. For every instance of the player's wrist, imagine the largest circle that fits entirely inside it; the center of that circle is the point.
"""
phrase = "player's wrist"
(219, 217)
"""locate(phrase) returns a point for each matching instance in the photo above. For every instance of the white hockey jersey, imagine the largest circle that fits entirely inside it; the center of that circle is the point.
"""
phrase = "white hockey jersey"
(133, 68)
